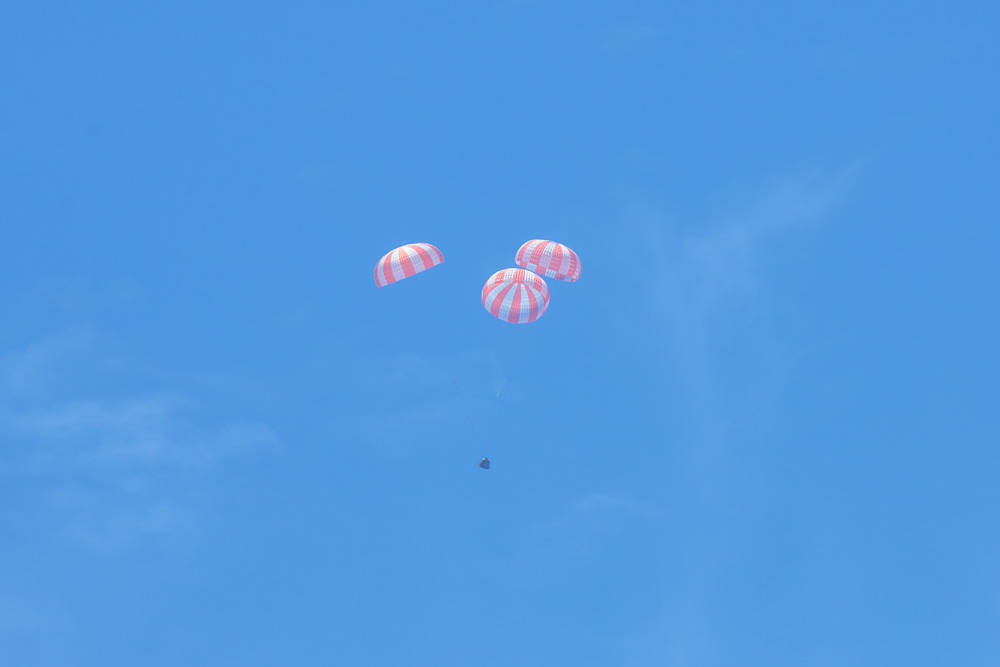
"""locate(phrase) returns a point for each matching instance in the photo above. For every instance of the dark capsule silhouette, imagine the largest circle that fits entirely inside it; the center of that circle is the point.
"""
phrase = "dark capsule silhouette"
(485, 463)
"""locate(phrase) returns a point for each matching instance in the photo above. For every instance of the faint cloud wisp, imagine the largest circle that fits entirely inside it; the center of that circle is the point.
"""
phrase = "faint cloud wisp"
(104, 469)
(704, 274)
(707, 288)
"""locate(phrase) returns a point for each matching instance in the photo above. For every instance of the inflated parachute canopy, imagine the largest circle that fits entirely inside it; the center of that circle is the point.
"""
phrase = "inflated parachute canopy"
(406, 261)
(549, 259)
(515, 295)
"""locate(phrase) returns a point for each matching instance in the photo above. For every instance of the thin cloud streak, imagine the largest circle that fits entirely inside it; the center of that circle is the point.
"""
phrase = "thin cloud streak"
(110, 470)
(705, 275)
(702, 278)
(614, 503)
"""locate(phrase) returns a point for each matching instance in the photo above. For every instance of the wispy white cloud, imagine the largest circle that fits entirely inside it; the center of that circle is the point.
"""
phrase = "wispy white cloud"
(19, 615)
(584, 527)
(703, 275)
(93, 416)
(26, 622)
(708, 264)
(424, 398)
(40, 368)
(152, 430)
(426, 373)
(631, 37)
(113, 468)
(681, 636)
(105, 520)
(610, 503)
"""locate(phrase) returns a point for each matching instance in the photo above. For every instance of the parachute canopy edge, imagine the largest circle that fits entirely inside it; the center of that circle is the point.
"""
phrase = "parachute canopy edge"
(405, 261)
(515, 295)
(549, 259)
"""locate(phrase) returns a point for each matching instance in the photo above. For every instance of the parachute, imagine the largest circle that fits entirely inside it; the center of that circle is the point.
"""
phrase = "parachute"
(515, 295)
(549, 259)
(406, 261)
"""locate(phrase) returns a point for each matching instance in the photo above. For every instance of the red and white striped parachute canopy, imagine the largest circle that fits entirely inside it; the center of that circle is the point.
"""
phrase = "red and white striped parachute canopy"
(515, 295)
(549, 259)
(405, 261)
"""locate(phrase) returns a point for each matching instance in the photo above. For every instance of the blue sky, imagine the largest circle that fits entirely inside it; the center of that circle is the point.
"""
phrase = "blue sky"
(761, 429)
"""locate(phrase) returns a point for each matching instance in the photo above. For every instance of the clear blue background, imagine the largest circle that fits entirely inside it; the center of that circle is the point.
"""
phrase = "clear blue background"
(762, 428)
